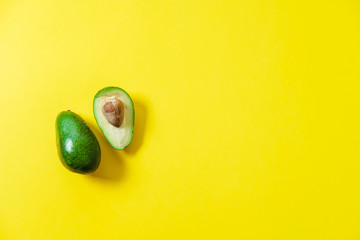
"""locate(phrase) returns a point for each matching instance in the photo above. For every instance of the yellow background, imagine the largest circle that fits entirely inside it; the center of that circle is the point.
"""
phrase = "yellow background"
(247, 119)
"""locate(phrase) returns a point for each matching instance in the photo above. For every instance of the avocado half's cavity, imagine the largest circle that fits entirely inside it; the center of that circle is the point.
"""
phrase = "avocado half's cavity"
(114, 114)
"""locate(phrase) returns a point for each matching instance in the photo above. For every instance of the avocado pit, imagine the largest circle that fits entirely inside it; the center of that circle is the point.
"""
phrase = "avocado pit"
(113, 111)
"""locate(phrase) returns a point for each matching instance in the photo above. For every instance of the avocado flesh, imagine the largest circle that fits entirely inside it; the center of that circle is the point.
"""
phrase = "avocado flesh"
(78, 148)
(121, 136)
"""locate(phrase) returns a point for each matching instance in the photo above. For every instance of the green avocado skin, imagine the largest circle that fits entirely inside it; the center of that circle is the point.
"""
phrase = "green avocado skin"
(78, 148)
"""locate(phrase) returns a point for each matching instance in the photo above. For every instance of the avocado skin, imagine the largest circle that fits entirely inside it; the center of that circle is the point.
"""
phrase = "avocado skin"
(78, 148)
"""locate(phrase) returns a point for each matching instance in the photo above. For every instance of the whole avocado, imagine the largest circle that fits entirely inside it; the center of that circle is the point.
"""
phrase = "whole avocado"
(78, 148)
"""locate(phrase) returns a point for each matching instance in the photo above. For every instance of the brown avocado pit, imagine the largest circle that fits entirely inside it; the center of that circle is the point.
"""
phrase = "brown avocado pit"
(113, 111)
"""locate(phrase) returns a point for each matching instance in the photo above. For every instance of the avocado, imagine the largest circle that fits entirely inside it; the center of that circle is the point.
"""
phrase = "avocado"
(78, 148)
(114, 114)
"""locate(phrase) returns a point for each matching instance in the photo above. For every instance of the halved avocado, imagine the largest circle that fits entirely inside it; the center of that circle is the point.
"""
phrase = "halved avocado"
(114, 114)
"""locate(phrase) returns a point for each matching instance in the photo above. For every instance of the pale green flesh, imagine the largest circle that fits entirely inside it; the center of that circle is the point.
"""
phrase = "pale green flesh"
(118, 137)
